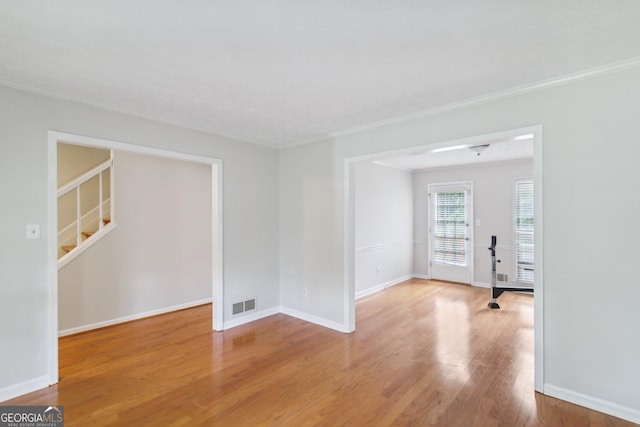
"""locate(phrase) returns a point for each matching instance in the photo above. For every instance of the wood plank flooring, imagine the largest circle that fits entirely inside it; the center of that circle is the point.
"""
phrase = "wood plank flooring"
(424, 353)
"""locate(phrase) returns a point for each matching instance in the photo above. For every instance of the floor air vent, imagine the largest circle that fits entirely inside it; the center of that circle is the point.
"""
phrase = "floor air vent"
(238, 308)
(250, 304)
(241, 307)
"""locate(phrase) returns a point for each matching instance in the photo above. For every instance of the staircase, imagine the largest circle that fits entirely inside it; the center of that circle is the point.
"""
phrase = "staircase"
(84, 211)
(85, 235)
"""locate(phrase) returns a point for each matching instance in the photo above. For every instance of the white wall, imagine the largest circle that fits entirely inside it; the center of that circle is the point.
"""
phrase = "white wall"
(250, 210)
(158, 256)
(384, 226)
(311, 233)
(590, 153)
(493, 192)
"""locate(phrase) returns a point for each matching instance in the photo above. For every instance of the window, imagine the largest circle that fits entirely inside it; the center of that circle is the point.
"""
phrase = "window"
(524, 230)
(449, 228)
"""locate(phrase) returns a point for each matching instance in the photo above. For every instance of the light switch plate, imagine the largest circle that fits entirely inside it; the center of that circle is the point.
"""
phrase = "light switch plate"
(33, 231)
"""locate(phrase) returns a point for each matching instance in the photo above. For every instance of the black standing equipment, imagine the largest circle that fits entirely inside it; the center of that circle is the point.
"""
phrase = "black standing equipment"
(495, 290)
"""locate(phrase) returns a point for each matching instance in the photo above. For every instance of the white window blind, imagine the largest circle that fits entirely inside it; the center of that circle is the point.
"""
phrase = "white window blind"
(450, 228)
(524, 230)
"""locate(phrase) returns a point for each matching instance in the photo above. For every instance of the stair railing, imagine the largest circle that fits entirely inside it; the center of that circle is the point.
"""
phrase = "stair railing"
(75, 185)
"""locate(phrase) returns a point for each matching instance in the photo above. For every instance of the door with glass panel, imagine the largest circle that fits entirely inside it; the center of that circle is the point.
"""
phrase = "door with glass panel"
(450, 232)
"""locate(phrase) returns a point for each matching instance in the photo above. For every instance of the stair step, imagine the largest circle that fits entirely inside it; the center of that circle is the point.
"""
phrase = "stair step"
(86, 235)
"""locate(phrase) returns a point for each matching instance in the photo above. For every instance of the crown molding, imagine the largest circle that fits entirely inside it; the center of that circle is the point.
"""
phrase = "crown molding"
(483, 99)
(494, 96)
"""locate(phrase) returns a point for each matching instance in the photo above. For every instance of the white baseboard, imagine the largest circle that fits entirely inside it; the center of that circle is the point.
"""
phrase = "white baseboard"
(24, 388)
(481, 284)
(314, 319)
(369, 291)
(382, 286)
(594, 403)
(250, 317)
(421, 276)
(137, 316)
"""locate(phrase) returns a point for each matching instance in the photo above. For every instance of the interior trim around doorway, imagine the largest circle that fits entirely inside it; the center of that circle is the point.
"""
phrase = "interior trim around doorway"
(216, 227)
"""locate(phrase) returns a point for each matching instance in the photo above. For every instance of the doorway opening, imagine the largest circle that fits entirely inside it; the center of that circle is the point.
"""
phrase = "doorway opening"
(132, 153)
(470, 146)
(451, 231)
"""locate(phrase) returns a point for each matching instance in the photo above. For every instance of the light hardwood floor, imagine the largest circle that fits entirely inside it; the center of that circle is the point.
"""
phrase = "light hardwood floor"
(424, 353)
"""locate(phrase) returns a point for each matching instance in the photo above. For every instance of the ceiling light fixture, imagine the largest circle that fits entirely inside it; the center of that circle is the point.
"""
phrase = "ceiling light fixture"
(523, 137)
(451, 148)
(478, 149)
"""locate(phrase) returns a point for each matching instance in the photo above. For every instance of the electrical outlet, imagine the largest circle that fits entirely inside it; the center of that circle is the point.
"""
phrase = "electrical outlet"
(304, 292)
(377, 270)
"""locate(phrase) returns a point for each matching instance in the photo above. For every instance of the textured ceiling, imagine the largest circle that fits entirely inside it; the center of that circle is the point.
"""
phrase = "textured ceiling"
(285, 72)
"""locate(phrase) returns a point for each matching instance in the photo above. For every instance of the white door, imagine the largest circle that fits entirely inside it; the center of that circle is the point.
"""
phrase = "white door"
(450, 232)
